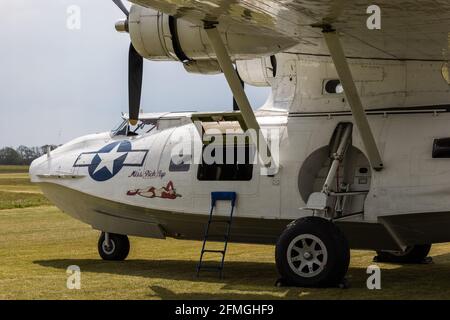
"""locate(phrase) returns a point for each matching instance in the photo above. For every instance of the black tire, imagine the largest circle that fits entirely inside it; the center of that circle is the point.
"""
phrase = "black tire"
(332, 269)
(412, 254)
(120, 247)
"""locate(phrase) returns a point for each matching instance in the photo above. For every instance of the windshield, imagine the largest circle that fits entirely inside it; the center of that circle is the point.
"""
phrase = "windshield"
(143, 126)
(121, 129)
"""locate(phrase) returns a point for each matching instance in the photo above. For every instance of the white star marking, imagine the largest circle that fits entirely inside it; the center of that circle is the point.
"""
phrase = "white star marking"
(107, 159)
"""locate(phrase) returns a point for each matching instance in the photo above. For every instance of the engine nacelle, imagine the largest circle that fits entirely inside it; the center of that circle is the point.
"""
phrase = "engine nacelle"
(158, 36)
(208, 67)
(258, 72)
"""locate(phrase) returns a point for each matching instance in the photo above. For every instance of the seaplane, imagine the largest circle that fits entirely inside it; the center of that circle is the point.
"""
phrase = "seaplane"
(351, 150)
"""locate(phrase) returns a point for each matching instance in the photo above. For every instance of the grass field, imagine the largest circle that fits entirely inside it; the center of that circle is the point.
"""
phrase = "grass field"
(38, 243)
(13, 169)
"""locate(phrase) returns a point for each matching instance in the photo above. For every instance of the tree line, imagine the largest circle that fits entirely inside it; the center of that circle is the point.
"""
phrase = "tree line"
(22, 155)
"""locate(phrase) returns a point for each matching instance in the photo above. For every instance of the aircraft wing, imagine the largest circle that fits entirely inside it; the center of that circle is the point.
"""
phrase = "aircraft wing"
(410, 29)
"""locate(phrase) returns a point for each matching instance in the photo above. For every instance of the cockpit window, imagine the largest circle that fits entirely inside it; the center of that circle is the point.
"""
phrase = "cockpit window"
(121, 130)
(144, 126)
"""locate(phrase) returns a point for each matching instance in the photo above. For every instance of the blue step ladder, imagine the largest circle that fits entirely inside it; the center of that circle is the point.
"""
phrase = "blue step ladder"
(217, 196)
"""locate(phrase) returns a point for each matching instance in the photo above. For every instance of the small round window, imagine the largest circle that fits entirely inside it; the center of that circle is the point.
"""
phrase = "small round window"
(333, 87)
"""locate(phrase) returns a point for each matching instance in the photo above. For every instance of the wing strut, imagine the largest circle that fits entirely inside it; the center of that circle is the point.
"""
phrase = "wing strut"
(337, 54)
(238, 91)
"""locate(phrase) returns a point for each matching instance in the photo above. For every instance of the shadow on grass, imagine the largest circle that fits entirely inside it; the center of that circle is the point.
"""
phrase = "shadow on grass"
(254, 280)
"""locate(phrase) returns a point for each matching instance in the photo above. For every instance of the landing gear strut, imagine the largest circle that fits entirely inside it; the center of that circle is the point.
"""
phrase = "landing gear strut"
(114, 247)
(312, 252)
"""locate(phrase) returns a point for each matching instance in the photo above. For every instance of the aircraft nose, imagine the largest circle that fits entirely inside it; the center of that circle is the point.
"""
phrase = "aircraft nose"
(38, 167)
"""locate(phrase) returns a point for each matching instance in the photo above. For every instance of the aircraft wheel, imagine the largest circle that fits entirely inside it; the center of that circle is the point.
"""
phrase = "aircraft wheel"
(312, 252)
(412, 254)
(117, 249)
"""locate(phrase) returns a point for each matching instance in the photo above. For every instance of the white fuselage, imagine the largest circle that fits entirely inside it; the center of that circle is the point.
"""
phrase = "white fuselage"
(127, 184)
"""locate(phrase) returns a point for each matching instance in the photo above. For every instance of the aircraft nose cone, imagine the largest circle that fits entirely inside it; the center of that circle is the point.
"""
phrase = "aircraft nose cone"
(37, 167)
(33, 170)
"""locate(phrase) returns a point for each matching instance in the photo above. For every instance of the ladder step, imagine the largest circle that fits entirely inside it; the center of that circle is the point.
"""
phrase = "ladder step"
(214, 251)
(217, 196)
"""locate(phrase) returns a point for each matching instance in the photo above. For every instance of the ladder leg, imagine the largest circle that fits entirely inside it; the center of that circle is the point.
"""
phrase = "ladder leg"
(226, 241)
(204, 240)
(229, 196)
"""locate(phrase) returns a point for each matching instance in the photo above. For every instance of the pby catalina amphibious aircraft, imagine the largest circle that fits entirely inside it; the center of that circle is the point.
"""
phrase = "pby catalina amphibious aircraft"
(360, 99)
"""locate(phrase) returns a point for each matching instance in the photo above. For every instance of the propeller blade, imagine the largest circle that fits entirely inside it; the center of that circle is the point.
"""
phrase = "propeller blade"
(122, 7)
(135, 71)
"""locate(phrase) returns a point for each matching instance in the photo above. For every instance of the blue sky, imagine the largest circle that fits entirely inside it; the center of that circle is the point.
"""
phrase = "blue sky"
(57, 84)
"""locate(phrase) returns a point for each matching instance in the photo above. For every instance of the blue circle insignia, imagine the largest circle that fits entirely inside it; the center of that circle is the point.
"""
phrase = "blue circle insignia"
(109, 160)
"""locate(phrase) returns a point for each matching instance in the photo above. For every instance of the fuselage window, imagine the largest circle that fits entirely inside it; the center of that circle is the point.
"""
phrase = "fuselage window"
(333, 87)
(441, 148)
(237, 165)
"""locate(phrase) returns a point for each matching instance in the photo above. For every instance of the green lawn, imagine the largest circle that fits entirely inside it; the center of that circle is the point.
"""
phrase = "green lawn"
(13, 169)
(38, 243)
(16, 190)
(15, 179)
(10, 200)
(17, 182)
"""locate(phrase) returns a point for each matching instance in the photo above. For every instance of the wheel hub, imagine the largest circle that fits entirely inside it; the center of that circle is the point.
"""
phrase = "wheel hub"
(108, 248)
(307, 255)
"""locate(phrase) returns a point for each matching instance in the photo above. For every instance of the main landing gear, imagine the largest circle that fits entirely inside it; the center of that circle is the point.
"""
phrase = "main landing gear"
(113, 247)
(312, 252)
